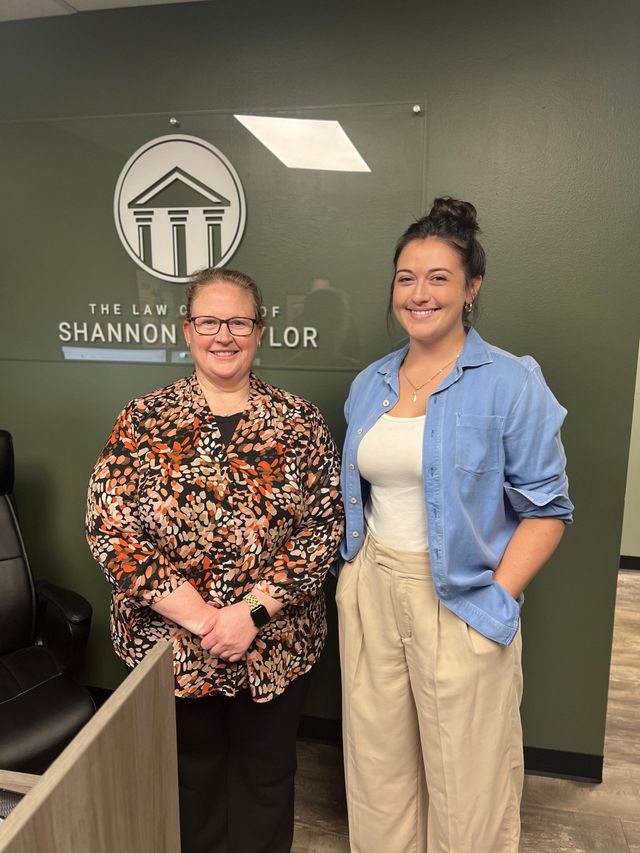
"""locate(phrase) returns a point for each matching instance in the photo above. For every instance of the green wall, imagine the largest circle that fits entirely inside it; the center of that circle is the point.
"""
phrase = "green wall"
(532, 114)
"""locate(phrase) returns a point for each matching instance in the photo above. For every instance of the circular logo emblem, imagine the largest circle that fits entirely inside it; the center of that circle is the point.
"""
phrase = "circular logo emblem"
(179, 206)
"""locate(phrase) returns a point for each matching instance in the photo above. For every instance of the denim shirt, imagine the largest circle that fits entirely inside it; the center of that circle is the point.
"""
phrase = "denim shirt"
(492, 455)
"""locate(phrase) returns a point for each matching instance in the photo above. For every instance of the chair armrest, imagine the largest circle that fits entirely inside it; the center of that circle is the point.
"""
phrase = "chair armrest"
(63, 624)
(74, 607)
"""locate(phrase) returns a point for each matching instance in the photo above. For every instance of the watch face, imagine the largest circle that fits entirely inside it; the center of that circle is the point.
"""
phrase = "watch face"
(260, 615)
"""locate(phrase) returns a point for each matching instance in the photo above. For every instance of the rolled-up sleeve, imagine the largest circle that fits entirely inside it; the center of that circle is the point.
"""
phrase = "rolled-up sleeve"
(536, 483)
(116, 536)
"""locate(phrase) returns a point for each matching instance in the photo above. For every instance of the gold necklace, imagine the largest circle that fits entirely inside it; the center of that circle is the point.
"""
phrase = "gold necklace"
(417, 388)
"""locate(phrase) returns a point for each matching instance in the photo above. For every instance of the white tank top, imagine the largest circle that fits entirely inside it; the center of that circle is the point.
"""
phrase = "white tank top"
(390, 459)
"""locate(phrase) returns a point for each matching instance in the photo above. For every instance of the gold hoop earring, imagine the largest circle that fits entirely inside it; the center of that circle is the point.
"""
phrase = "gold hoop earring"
(468, 307)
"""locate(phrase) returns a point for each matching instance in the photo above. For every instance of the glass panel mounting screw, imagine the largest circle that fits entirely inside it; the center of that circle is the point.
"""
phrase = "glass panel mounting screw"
(416, 109)
(174, 122)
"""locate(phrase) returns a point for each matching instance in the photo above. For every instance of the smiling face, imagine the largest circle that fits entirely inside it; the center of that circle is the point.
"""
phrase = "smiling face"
(222, 360)
(429, 292)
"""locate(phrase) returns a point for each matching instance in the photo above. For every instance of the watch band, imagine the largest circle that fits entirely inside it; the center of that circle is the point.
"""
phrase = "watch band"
(259, 612)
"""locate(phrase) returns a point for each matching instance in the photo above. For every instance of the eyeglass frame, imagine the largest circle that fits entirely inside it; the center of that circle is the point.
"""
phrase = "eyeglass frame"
(222, 323)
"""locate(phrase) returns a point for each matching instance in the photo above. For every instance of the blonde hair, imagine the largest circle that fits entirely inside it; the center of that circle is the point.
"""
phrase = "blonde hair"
(223, 275)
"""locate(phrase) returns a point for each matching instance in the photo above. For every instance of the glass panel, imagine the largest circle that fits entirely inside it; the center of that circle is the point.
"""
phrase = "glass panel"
(319, 242)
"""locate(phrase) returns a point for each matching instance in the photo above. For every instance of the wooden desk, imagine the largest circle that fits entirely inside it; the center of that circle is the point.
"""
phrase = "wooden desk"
(114, 789)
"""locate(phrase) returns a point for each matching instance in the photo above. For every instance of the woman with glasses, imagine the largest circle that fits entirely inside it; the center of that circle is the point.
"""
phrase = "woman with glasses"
(456, 495)
(214, 511)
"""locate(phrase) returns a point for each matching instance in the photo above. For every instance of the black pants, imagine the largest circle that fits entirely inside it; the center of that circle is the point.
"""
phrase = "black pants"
(236, 768)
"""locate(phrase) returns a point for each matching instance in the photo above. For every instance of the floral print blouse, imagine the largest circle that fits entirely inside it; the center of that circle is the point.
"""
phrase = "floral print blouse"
(170, 502)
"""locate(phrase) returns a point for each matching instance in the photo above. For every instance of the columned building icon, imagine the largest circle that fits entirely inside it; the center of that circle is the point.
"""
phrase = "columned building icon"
(182, 197)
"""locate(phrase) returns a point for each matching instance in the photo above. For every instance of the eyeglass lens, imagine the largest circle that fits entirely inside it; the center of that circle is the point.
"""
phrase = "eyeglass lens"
(211, 325)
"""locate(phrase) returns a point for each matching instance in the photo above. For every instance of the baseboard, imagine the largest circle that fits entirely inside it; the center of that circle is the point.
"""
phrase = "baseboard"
(539, 762)
(578, 766)
(630, 563)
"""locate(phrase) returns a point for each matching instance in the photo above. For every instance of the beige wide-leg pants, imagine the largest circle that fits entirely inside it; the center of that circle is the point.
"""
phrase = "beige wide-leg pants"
(432, 734)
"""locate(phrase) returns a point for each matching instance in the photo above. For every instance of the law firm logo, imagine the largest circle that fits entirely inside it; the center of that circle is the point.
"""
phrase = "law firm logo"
(179, 206)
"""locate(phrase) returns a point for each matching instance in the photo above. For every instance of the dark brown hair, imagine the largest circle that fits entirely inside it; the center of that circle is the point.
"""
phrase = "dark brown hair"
(455, 222)
(220, 275)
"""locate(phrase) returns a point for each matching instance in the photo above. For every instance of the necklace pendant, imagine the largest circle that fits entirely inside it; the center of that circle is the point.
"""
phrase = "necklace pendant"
(415, 396)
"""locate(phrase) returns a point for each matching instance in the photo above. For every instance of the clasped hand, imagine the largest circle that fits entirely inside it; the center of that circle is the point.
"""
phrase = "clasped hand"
(229, 632)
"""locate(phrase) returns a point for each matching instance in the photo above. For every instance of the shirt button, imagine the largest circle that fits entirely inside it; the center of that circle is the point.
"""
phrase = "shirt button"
(359, 432)
(353, 500)
(352, 467)
(385, 402)
(355, 534)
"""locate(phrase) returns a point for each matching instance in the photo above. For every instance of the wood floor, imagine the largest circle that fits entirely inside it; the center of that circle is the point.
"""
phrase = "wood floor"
(558, 816)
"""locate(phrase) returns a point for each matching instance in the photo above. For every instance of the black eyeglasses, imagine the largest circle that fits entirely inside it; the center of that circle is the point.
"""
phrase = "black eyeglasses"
(238, 326)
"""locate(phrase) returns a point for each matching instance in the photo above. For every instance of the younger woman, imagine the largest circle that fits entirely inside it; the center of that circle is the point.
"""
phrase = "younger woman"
(455, 496)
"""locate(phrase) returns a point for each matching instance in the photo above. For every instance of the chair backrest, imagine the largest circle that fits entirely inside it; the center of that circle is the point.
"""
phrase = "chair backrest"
(17, 596)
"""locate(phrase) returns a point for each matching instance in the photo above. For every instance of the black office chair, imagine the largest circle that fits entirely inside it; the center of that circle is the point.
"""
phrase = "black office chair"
(43, 632)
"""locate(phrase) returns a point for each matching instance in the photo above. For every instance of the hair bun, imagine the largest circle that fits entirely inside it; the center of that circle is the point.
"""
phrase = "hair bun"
(457, 216)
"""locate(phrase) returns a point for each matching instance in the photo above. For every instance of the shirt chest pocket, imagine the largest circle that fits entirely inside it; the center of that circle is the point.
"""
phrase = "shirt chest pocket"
(479, 443)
